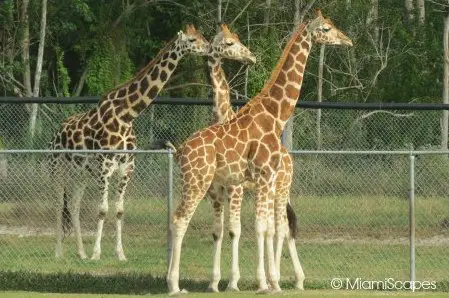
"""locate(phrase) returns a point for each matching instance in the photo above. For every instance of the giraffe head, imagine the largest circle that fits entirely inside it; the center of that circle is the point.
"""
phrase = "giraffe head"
(192, 41)
(324, 31)
(227, 45)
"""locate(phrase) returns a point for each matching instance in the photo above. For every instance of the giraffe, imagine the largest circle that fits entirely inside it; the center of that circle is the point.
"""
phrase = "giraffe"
(223, 112)
(224, 45)
(248, 148)
(108, 126)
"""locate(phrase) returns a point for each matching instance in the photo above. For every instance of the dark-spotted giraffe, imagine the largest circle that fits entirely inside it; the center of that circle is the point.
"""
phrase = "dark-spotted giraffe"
(248, 148)
(108, 126)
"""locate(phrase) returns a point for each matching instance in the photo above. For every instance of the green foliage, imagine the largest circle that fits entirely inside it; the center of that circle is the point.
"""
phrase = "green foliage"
(62, 73)
(108, 67)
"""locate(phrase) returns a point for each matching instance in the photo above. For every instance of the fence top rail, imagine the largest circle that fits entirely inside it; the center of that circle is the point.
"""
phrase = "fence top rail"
(293, 152)
(367, 152)
(239, 102)
(49, 151)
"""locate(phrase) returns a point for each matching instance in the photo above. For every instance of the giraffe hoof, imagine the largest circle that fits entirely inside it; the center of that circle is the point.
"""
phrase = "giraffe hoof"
(122, 258)
(275, 292)
(179, 293)
(232, 289)
(95, 257)
(82, 255)
(263, 291)
(299, 286)
(212, 290)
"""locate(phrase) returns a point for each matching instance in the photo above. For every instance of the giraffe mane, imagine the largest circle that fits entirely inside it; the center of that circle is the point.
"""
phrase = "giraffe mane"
(278, 67)
(144, 70)
(276, 70)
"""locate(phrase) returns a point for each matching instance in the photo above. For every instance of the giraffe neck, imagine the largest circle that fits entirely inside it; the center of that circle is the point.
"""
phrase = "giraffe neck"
(281, 92)
(222, 104)
(129, 100)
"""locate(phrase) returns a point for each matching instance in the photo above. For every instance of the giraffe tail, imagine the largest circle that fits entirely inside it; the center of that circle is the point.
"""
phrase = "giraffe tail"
(66, 217)
(292, 221)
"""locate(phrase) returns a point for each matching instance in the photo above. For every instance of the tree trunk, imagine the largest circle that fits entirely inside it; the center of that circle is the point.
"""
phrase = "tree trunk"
(320, 98)
(38, 70)
(445, 120)
(3, 162)
(26, 50)
(247, 69)
(421, 12)
(372, 18)
(80, 85)
(409, 11)
(266, 16)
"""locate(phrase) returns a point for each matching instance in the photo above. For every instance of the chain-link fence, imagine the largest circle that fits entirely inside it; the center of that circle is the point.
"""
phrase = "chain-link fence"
(313, 129)
(353, 208)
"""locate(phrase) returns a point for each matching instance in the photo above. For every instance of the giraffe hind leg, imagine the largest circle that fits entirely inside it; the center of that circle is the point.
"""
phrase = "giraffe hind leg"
(235, 196)
(103, 208)
(216, 198)
(125, 177)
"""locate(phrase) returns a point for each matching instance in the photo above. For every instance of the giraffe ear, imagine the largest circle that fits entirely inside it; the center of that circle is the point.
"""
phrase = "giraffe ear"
(318, 13)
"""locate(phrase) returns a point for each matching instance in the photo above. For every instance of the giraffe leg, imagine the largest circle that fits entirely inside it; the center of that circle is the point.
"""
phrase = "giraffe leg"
(299, 273)
(125, 177)
(265, 226)
(57, 172)
(216, 198)
(59, 190)
(77, 195)
(103, 209)
(191, 196)
(235, 196)
(281, 230)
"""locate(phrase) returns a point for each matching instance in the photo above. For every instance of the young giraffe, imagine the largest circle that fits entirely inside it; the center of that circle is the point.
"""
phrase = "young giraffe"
(248, 148)
(223, 112)
(109, 126)
(223, 43)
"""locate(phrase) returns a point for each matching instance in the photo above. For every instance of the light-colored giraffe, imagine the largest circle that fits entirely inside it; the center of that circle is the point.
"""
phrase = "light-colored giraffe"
(223, 112)
(225, 45)
(248, 148)
(108, 126)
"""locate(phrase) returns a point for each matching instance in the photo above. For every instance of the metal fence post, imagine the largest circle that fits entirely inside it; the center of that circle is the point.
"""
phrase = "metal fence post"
(169, 206)
(412, 220)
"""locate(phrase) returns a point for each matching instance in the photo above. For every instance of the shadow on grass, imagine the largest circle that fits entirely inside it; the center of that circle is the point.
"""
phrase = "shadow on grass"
(131, 284)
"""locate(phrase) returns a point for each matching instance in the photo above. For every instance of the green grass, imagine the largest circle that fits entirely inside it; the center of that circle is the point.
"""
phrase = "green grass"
(339, 236)
(306, 294)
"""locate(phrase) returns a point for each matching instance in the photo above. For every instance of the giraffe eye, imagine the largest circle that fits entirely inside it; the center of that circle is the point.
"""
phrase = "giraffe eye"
(229, 43)
(326, 29)
(192, 39)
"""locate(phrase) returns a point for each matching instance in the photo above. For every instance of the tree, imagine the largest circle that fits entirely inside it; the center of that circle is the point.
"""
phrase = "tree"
(38, 70)
(445, 118)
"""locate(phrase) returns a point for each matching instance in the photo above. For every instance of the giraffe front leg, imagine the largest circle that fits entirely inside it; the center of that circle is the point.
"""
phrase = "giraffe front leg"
(261, 226)
(191, 196)
(265, 226)
(273, 273)
(235, 195)
(120, 209)
(281, 230)
(102, 211)
(216, 198)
